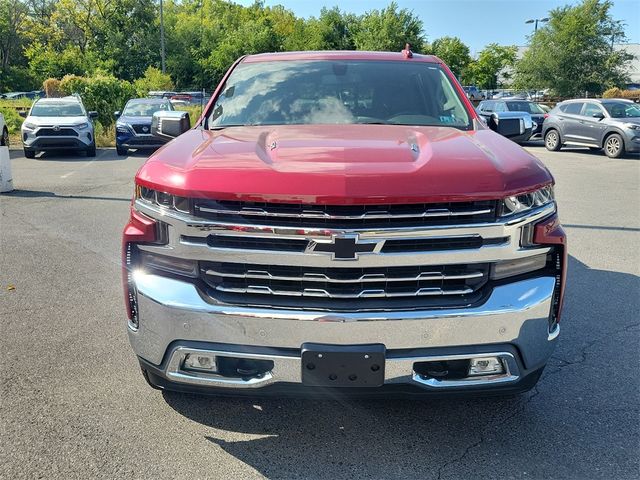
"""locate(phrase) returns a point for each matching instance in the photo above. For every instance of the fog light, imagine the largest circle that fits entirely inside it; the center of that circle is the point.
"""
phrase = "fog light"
(200, 361)
(485, 366)
(510, 268)
(169, 264)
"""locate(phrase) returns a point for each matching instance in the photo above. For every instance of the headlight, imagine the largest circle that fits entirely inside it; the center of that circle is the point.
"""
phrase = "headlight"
(632, 126)
(162, 199)
(527, 201)
(28, 126)
(82, 125)
(122, 128)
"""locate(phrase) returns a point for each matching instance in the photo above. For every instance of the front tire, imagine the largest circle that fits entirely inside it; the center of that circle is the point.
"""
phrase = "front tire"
(614, 146)
(91, 151)
(4, 140)
(122, 151)
(552, 140)
(29, 153)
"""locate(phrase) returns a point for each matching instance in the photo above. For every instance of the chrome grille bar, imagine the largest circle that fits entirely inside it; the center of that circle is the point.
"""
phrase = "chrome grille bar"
(317, 292)
(326, 216)
(320, 277)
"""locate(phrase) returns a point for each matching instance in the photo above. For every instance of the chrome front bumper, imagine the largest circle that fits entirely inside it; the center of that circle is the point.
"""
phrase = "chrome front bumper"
(172, 313)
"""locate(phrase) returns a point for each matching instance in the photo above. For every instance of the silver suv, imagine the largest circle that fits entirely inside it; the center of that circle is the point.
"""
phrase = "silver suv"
(609, 124)
(58, 124)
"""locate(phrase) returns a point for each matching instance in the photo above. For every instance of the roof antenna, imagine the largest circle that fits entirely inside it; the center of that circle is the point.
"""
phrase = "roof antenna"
(407, 51)
(201, 63)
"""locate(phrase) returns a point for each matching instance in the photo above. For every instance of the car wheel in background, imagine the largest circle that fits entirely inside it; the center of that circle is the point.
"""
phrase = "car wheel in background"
(4, 140)
(614, 146)
(552, 140)
(91, 151)
(121, 150)
(29, 153)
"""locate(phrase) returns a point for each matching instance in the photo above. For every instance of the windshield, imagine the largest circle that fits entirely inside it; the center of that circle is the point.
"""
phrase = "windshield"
(71, 109)
(339, 92)
(622, 110)
(145, 109)
(528, 107)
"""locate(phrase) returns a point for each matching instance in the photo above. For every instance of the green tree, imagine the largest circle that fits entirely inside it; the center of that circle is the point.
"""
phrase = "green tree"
(573, 53)
(153, 79)
(453, 52)
(388, 30)
(493, 61)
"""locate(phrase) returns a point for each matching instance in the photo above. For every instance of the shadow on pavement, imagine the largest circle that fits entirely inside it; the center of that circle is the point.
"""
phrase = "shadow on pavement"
(102, 155)
(340, 438)
(44, 194)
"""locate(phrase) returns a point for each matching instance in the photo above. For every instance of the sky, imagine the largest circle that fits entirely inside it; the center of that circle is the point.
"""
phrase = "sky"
(475, 22)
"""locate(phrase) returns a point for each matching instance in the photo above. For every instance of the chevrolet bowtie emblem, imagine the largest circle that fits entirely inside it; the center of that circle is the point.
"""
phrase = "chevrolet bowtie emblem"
(345, 246)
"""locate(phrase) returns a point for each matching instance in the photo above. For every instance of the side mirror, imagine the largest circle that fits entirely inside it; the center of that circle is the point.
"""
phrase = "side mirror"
(511, 124)
(23, 114)
(598, 115)
(93, 115)
(117, 114)
(170, 124)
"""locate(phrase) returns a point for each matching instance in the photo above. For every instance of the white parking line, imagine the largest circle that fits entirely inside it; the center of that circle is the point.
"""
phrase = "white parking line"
(67, 175)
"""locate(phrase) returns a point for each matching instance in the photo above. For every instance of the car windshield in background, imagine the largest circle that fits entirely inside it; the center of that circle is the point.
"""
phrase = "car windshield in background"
(528, 107)
(57, 110)
(622, 109)
(339, 92)
(145, 109)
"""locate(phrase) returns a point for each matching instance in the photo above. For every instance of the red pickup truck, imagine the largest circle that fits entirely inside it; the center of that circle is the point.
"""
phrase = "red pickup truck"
(343, 222)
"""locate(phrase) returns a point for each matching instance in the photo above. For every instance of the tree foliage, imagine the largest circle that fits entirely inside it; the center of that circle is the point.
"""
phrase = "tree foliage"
(493, 60)
(453, 52)
(574, 53)
(102, 93)
(42, 39)
(388, 30)
(153, 79)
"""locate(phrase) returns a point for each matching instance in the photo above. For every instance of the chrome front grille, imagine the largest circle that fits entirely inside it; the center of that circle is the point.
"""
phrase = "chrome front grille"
(392, 257)
(287, 286)
(347, 216)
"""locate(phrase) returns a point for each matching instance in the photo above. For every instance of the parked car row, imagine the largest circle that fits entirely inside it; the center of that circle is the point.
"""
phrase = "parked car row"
(20, 95)
(612, 125)
(181, 98)
(133, 125)
(487, 108)
(57, 124)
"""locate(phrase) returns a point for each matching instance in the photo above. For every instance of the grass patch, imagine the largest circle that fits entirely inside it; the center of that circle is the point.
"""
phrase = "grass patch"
(194, 112)
(105, 136)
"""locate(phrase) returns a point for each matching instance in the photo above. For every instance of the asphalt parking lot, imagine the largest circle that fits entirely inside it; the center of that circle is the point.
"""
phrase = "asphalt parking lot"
(74, 405)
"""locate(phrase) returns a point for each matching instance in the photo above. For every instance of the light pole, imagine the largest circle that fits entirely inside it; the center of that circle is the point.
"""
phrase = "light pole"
(536, 20)
(162, 54)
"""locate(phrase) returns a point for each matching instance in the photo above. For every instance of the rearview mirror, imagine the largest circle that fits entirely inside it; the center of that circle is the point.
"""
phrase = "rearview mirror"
(598, 115)
(93, 115)
(511, 124)
(23, 114)
(116, 114)
(170, 124)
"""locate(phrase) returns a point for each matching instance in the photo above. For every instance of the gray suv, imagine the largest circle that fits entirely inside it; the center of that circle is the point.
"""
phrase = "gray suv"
(58, 124)
(609, 124)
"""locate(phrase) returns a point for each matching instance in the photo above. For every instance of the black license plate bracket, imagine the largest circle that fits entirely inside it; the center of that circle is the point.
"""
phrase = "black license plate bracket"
(343, 365)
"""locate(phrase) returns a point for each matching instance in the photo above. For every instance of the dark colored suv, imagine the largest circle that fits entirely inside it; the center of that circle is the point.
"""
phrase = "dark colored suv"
(609, 124)
(487, 107)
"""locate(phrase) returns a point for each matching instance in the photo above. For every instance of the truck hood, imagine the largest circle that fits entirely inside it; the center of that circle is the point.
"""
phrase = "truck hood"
(343, 164)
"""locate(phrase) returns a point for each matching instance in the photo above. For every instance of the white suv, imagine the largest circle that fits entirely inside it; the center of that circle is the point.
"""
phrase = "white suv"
(4, 132)
(58, 124)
